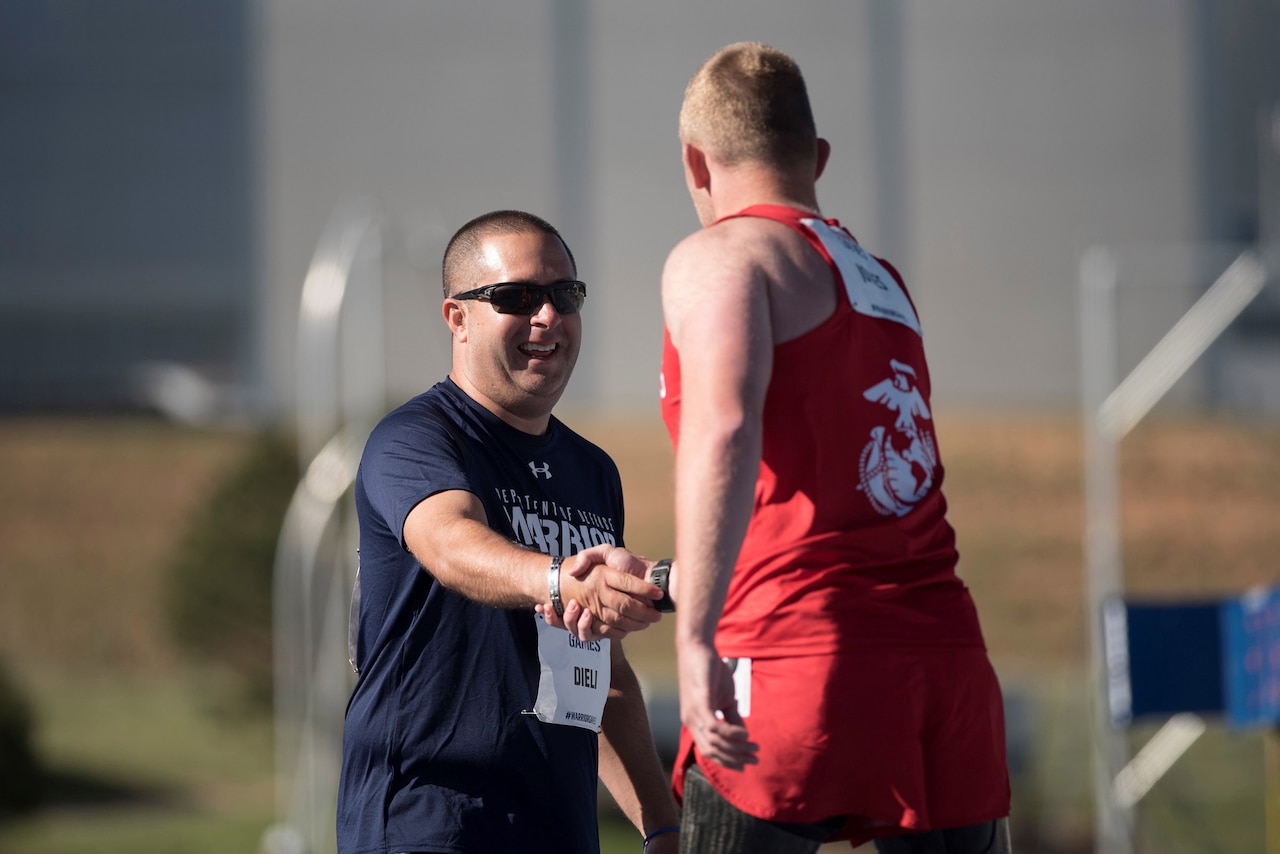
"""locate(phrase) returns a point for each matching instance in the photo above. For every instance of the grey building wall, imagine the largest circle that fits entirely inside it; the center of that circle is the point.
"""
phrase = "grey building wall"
(126, 226)
(1038, 130)
(1028, 132)
(166, 170)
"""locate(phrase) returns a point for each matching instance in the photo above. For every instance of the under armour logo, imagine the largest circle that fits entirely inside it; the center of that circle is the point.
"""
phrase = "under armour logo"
(543, 470)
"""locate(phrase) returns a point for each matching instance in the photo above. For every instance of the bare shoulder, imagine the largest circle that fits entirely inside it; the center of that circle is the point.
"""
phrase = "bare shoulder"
(742, 240)
(750, 259)
(728, 254)
(716, 270)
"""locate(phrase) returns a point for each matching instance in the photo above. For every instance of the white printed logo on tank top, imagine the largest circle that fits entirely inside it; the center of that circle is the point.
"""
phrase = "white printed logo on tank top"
(898, 466)
(872, 290)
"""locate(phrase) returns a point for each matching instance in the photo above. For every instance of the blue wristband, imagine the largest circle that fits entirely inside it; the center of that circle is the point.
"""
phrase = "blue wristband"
(672, 829)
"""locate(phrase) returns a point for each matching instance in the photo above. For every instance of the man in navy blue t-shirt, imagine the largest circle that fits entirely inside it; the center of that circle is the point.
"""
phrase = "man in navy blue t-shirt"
(476, 726)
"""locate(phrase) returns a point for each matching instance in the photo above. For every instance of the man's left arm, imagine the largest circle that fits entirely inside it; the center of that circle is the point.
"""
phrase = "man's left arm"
(629, 765)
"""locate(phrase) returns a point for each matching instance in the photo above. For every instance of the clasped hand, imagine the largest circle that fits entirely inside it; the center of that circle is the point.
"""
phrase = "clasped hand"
(604, 594)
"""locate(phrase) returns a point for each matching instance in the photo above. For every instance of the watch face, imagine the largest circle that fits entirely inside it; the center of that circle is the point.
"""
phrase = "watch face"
(658, 577)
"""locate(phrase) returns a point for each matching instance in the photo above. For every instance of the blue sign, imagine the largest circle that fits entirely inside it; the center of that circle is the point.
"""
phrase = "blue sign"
(1175, 658)
(1251, 641)
(1208, 657)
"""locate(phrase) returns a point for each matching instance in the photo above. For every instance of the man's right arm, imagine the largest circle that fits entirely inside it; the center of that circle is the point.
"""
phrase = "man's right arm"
(449, 534)
(716, 307)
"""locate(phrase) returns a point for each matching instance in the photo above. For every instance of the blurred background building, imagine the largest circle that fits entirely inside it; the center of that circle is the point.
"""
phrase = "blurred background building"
(167, 168)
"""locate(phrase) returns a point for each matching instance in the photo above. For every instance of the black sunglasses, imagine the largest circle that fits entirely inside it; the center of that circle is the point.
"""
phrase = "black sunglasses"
(524, 298)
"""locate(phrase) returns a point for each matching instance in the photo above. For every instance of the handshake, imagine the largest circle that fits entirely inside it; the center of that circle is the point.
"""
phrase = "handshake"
(607, 592)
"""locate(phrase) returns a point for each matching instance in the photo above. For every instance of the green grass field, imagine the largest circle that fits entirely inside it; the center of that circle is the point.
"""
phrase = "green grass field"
(148, 755)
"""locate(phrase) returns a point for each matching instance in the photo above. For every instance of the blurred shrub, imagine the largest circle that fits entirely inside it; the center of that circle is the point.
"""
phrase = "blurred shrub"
(21, 778)
(219, 601)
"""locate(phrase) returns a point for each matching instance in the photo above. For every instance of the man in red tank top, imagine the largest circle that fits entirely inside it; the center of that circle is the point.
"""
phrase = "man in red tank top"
(834, 683)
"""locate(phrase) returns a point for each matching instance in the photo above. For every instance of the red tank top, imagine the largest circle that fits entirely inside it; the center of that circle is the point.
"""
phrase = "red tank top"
(848, 545)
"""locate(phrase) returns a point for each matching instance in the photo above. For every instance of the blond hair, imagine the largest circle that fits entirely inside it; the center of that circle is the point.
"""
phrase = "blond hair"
(748, 102)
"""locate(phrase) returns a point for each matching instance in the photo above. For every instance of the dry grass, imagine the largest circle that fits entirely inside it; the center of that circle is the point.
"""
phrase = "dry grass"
(91, 510)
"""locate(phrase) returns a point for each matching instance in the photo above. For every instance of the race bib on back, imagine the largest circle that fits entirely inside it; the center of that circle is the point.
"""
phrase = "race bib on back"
(872, 289)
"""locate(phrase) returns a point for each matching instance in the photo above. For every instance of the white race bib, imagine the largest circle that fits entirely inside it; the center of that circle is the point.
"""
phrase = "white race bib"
(872, 289)
(575, 678)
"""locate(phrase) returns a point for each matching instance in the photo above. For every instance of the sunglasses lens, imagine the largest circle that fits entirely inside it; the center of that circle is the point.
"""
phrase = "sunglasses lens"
(527, 299)
(512, 299)
(568, 298)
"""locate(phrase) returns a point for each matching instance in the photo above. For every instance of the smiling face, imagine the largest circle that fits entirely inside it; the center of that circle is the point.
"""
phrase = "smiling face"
(515, 366)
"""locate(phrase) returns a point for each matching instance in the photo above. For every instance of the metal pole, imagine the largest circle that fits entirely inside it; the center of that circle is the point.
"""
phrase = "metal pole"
(1110, 411)
(1113, 823)
(885, 52)
(340, 392)
(1178, 350)
(572, 141)
(318, 369)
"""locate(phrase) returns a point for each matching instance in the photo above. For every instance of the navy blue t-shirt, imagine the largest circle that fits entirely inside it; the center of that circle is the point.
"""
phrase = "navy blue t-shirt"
(441, 750)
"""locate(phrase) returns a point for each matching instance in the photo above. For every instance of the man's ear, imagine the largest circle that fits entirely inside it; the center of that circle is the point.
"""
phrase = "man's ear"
(456, 316)
(824, 152)
(695, 160)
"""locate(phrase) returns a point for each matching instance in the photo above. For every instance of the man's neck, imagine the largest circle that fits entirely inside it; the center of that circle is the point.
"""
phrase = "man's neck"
(534, 425)
(740, 187)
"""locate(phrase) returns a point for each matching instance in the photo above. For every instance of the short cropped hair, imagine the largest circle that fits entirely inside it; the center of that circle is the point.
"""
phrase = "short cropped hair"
(464, 247)
(749, 102)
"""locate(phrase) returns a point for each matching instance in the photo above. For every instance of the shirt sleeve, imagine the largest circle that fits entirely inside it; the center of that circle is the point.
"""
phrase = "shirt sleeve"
(409, 457)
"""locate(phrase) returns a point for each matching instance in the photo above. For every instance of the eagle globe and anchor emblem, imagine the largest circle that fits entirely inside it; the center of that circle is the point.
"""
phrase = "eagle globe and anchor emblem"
(897, 466)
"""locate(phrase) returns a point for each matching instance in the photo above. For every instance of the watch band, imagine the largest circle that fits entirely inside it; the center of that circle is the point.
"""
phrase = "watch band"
(658, 577)
(553, 586)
